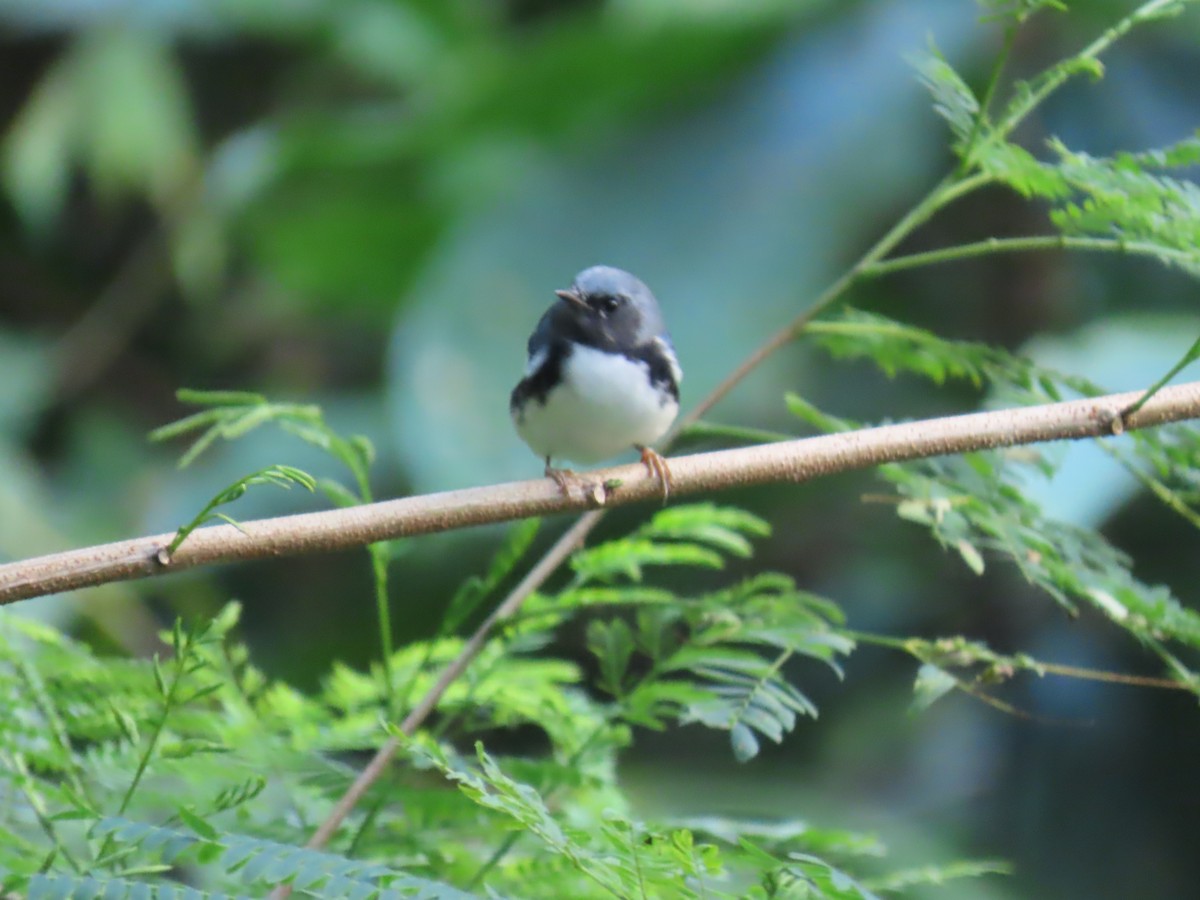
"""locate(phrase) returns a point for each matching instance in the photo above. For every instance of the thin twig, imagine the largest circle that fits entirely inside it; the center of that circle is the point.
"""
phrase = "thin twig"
(546, 565)
(1026, 244)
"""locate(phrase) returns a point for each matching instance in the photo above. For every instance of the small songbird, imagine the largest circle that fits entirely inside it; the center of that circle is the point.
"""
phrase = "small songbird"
(602, 376)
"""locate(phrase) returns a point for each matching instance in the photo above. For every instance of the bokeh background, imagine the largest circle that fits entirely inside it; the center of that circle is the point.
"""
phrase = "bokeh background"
(367, 203)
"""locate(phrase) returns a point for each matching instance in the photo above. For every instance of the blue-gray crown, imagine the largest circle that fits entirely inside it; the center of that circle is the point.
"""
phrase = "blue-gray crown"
(612, 282)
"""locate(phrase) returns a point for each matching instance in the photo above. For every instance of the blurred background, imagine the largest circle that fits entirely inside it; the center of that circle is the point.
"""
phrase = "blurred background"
(366, 204)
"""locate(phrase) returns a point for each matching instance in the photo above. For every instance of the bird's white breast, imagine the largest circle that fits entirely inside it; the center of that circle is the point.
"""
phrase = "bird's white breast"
(604, 405)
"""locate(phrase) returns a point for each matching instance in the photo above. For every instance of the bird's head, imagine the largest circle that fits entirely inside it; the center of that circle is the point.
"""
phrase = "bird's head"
(613, 307)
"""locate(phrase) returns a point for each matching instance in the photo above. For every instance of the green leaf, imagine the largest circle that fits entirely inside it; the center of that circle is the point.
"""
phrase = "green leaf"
(194, 397)
(277, 475)
(1123, 198)
(656, 703)
(612, 645)
(939, 875)
(135, 117)
(197, 824)
(953, 100)
(606, 595)
(721, 527)
(160, 681)
(473, 591)
(970, 555)
(1188, 358)
(819, 879)
(744, 743)
(627, 559)
(491, 788)
(931, 685)
(809, 413)
(126, 722)
(895, 347)
(270, 863)
(1022, 171)
(989, 512)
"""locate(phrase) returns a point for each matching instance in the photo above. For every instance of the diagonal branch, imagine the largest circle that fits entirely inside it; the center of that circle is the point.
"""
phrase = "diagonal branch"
(795, 461)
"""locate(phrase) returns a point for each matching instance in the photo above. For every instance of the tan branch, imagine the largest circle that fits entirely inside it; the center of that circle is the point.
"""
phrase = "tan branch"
(793, 461)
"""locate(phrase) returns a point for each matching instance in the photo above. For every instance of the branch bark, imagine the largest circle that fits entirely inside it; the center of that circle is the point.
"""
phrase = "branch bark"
(794, 461)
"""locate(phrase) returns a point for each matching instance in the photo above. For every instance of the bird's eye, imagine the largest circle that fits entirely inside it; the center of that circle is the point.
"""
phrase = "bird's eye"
(607, 304)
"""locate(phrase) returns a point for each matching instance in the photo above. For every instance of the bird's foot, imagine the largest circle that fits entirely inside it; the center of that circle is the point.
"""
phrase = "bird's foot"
(656, 463)
(568, 481)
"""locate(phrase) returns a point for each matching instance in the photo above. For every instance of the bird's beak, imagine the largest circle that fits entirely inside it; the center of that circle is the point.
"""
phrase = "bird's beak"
(572, 296)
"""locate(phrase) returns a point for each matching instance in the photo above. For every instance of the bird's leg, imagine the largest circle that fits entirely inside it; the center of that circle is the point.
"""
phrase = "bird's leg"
(564, 478)
(656, 463)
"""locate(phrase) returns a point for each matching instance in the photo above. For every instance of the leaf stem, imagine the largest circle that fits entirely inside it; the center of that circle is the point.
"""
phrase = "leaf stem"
(991, 246)
(183, 644)
(943, 193)
(970, 653)
(968, 150)
(379, 556)
(1188, 358)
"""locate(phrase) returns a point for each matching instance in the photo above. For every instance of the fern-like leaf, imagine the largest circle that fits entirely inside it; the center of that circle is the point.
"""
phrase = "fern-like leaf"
(257, 861)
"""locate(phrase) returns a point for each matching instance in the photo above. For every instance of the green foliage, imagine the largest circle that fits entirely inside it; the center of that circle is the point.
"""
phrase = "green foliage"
(713, 857)
(474, 590)
(897, 882)
(1123, 199)
(280, 476)
(262, 863)
(713, 659)
(896, 347)
(116, 104)
(953, 99)
(121, 772)
(197, 765)
(974, 503)
(682, 536)
(229, 415)
(621, 857)
(335, 203)
(1192, 354)
(196, 776)
(705, 664)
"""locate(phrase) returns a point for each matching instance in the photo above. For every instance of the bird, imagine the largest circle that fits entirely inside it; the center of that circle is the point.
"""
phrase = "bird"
(601, 377)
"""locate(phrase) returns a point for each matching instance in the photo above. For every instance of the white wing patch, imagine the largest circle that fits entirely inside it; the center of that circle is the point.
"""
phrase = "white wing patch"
(669, 353)
(536, 361)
